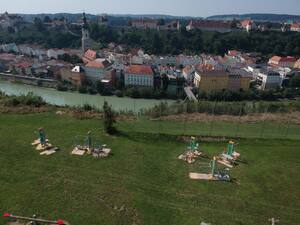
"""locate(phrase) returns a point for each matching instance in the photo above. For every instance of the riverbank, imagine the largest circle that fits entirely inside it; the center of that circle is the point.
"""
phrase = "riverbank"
(74, 99)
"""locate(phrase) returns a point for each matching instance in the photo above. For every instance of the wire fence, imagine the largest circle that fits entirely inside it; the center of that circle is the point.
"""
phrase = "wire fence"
(218, 119)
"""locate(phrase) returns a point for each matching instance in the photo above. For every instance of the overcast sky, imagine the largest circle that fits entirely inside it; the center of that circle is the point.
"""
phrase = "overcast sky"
(171, 7)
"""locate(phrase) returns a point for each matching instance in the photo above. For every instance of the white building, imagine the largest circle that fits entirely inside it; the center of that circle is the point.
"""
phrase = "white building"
(267, 79)
(97, 70)
(55, 53)
(139, 75)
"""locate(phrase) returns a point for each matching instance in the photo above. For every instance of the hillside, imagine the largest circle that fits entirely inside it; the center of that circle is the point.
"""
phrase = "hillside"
(258, 17)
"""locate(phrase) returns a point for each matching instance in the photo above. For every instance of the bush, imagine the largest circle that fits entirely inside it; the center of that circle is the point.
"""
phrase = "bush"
(82, 90)
(87, 107)
(119, 93)
(29, 99)
(109, 118)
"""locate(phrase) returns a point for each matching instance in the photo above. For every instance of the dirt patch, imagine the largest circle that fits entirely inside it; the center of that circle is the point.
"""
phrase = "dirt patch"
(291, 117)
(203, 139)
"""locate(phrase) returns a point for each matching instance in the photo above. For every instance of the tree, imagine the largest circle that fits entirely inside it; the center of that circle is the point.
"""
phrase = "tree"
(38, 24)
(109, 119)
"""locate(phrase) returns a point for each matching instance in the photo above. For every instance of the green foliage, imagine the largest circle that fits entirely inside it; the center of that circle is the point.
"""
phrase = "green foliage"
(82, 90)
(109, 119)
(295, 81)
(29, 100)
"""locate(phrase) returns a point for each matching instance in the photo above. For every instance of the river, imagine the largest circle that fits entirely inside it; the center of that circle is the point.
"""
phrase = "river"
(55, 97)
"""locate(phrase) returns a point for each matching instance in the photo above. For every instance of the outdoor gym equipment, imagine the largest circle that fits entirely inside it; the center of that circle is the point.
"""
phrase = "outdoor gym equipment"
(87, 146)
(229, 157)
(22, 220)
(192, 152)
(215, 175)
(42, 144)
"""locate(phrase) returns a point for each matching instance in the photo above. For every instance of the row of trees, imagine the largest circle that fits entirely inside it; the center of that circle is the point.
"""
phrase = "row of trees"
(162, 42)
(196, 41)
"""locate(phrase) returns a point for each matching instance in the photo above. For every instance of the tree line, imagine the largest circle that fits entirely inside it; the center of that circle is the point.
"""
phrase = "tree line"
(161, 42)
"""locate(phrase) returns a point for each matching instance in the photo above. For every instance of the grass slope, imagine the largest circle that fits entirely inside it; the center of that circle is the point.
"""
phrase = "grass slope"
(143, 175)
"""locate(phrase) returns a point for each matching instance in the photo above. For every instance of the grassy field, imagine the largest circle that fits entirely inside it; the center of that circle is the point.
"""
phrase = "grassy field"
(143, 182)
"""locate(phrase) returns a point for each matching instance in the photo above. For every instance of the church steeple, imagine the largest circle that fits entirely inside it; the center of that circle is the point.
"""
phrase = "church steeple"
(85, 41)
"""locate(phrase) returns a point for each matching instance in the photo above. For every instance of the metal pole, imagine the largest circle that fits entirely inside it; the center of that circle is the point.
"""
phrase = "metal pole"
(60, 222)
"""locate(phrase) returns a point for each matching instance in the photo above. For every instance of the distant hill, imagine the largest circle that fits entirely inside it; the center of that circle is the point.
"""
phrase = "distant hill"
(258, 17)
(73, 17)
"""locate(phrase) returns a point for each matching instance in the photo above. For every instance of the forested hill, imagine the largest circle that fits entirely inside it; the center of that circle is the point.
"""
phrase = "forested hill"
(258, 17)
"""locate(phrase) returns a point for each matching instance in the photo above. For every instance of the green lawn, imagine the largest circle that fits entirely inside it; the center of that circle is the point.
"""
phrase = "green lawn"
(143, 175)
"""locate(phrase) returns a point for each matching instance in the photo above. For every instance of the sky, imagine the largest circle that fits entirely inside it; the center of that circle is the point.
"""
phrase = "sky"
(202, 8)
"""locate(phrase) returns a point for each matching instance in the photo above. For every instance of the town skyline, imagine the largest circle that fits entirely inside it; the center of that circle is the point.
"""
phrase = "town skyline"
(179, 8)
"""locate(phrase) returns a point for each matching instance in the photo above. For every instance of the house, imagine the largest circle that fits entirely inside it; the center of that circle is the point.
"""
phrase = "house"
(98, 69)
(76, 76)
(210, 25)
(279, 61)
(188, 73)
(295, 27)
(268, 78)
(11, 47)
(89, 55)
(248, 25)
(173, 25)
(297, 64)
(145, 24)
(55, 53)
(139, 75)
(208, 79)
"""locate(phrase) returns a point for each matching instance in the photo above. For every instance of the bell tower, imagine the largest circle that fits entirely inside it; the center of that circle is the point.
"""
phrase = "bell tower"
(85, 40)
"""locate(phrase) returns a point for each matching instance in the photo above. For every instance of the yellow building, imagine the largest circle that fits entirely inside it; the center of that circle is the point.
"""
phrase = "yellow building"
(218, 80)
(211, 80)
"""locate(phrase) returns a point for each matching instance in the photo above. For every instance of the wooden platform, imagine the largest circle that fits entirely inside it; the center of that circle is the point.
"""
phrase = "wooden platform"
(225, 163)
(201, 176)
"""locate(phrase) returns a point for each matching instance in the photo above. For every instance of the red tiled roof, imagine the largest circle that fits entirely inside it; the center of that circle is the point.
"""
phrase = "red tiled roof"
(283, 59)
(89, 55)
(245, 23)
(140, 69)
(295, 26)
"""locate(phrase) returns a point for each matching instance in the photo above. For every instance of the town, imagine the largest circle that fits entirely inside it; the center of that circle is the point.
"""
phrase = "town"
(187, 113)
(119, 70)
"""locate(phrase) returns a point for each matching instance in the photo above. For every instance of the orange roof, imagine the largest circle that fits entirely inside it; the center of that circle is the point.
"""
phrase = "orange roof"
(98, 63)
(246, 23)
(296, 25)
(90, 55)
(283, 59)
(140, 69)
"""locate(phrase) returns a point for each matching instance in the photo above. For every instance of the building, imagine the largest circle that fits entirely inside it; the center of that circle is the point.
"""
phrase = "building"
(86, 42)
(139, 75)
(295, 27)
(75, 76)
(297, 64)
(283, 61)
(248, 25)
(208, 79)
(188, 73)
(239, 79)
(54, 53)
(210, 25)
(98, 69)
(173, 25)
(268, 79)
(89, 56)
(145, 24)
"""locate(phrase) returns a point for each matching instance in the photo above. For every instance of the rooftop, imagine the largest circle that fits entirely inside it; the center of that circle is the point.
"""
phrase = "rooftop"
(140, 69)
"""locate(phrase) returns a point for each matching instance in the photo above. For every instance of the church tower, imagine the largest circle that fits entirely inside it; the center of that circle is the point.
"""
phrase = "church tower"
(85, 41)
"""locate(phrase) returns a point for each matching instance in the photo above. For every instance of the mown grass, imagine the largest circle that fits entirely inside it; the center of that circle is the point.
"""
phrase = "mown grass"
(143, 175)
